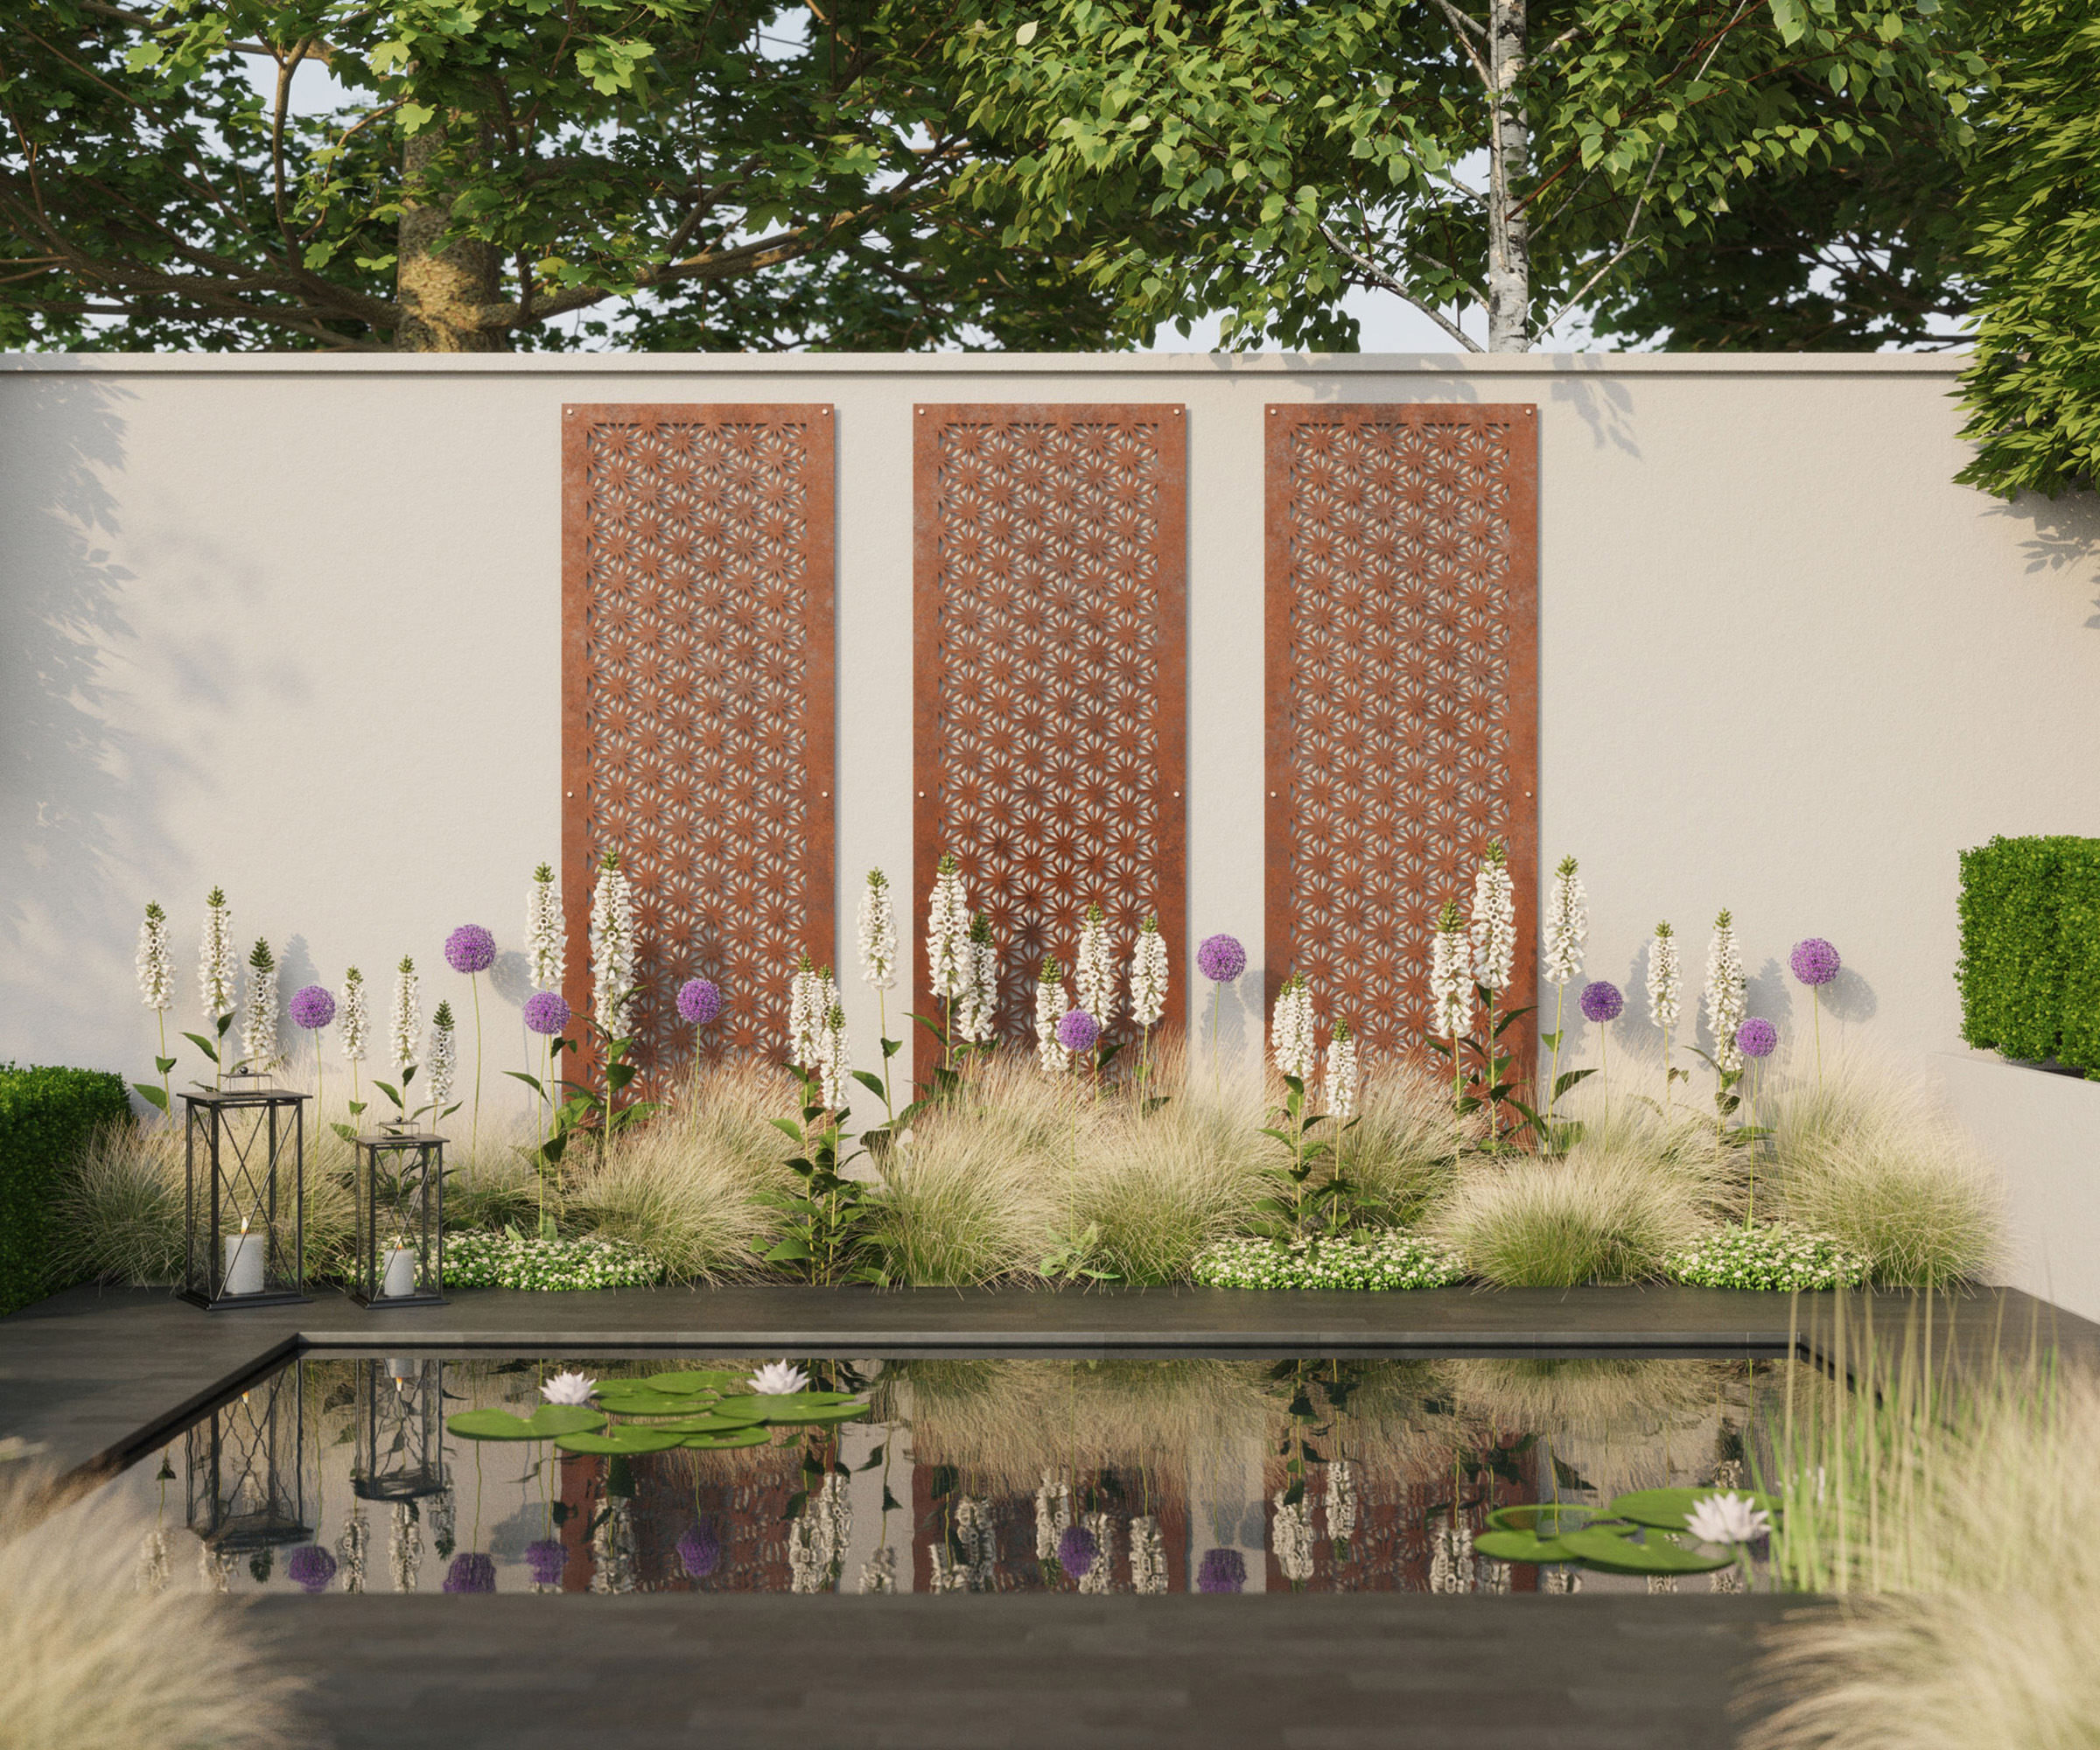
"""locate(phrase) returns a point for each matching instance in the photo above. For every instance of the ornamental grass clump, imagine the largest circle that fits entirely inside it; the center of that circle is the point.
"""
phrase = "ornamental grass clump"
(689, 1187)
(102, 1654)
(1399, 1149)
(1862, 1153)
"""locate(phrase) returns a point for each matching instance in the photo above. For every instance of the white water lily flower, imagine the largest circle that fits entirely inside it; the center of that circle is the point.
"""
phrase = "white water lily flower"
(1727, 1519)
(778, 1379)
(1493, 921)
(1727, 1000)
(568, 1388)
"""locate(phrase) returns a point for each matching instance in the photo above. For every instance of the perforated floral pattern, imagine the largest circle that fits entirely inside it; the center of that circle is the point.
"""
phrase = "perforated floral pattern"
(1403, 628)
(1050, 676)
(698, 722)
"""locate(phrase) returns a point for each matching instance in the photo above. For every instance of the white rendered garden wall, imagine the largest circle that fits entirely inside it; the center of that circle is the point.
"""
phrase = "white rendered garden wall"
(291, 626)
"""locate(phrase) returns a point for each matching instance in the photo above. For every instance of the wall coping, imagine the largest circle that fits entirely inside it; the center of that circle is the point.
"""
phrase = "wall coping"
(1268, 366)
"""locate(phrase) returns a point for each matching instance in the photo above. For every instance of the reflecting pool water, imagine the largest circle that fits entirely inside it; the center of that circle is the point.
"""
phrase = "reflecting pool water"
(420, 1474)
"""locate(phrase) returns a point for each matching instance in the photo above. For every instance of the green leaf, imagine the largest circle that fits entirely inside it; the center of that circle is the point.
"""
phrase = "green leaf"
(1615, 1553)
(684, 1384)
(205, 1044)
(727, 1440)
(627, 1439)
(1668, 1508)
(548, 1422)
(151, 1094)
(870, 1081)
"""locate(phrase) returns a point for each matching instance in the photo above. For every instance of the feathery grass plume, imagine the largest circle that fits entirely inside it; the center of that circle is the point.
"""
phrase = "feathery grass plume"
(546, 945)
(1400, 1148)
(356, 1025)
(1727, 993)
(980, 1000)
(1946, 1505)
(156, 965)
(407, 1028)
(218, 970)
(1161, 1186)
(260, 1019)
(443, 1056)
(1093, 968)
(1864, 1154)
(1591, 1215)
(613, 989)
(969, 1195)
(1665, 984)
(1293, 1034)
(1050, 1005)
(94, 1661)
(689, 1187)
(948, 962)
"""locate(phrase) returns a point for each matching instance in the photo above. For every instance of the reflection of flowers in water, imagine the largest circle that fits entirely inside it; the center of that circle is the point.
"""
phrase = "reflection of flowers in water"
(1726, 1579)
(818, 1535)
(1293, 1536)
(1052, 1514)
(1341, 1500)
(351, 1547)
(1221, 1570)
(1078, 1549)
(443, 1521)
(545, 1557)
(1451, 1560)
(471, 1571)
(153, 1563)
(878, 1572)
(948, 1574)
(1101, 1529)
(216, 1566)
(700, 1550)
(1662, 1583)
(404, 1547)
(1148, 1556)
(978, 1542)
(612, 1548)
(1558, 1577)
(310, 1568)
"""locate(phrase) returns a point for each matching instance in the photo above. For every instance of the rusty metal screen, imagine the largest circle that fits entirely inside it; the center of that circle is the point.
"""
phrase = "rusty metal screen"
(1050, 679)
(1403, 683)
(697, 664)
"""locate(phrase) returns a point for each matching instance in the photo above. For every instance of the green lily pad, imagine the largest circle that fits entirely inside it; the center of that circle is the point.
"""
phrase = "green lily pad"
(546, 1423)
(705, 1422)
(1668, 1509)
(654, 1403)
(788, 1408)
(621, 1440)
(1616, 1553)
(726, 1439)
(1522, 1546)
(1548, 1517)
(683, 1384)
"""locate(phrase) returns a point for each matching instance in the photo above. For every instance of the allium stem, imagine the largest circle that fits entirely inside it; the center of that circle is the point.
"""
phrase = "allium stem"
(473, 1147)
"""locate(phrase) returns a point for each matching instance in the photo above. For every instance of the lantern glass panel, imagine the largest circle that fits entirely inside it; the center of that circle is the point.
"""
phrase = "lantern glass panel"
(244, 1213)
(400, 1219)
(400, 1429)
(247, 1468)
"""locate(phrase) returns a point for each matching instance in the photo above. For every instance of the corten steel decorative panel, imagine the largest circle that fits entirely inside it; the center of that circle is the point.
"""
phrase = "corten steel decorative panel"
(1050, 679)
(697, 665)
(1403, 682)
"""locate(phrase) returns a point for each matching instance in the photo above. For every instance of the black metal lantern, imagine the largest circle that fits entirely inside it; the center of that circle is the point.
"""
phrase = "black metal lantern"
(244, 1152)
(400, 1219)
(400, 1430)
(247, 1468)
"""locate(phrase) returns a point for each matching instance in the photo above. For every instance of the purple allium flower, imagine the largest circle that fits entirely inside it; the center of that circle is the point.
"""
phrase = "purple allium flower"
(471, 1571)
(1221, 1570)
(1076, 1550)
(310, 1568)
(545, 1011)
(546, 1558)
(1815, 961)
(312, 1006)
(1078, 1031)
(699, 1001)
(470, 948)
(1601, 1001)
(1220, 959)
(700, 1550)
(1756, 1038)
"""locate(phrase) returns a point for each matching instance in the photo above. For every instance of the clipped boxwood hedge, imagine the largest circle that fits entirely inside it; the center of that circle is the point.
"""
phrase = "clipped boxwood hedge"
(47, 1117)
(2030, 966)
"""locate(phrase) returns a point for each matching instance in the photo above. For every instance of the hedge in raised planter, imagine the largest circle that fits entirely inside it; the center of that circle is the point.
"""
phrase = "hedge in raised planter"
(2030, 965)
(47, 1117)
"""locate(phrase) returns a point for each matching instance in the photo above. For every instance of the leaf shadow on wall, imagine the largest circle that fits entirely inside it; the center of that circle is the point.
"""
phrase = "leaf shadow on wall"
(2065, 537)
(71, 811)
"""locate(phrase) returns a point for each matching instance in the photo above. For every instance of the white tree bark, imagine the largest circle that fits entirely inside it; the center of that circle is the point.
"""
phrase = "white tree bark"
(1510, 159)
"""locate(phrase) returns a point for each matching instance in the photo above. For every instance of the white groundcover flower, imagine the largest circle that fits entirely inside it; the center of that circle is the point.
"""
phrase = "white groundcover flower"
(155, 963)
(1450, 977)
(778, 1379)
(568, 1387)
(1727, 995)
(407, 1029)
(1291, 1031)
(1148, 975)
(1665, 981)
(877, 934)
(1567, 924)
(356, 1022)
(612, 948)
(1051, 1057)
(1493, 921)
(218, 970)
(1727, 1519)
(546, 951)
(1342, 1078)
(947, 933)
(1093, 968)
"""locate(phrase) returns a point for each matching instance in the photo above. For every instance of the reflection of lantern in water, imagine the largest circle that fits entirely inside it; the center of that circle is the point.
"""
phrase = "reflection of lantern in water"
(247, 1465)
(245, 1203)
(400, 1452)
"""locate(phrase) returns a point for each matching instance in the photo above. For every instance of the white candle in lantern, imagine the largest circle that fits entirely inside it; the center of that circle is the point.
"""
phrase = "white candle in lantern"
(244, 1254)
(401, 1272)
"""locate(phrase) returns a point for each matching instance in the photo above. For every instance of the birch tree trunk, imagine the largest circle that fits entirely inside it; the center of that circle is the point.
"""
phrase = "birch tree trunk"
(442, 293)
(1509, 161)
